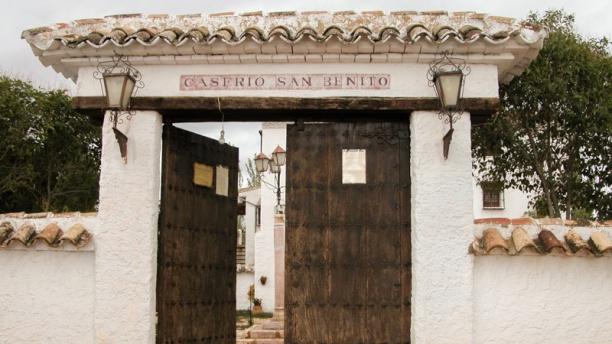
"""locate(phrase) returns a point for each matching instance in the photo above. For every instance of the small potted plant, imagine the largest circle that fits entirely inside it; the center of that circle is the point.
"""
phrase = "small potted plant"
(257, 306)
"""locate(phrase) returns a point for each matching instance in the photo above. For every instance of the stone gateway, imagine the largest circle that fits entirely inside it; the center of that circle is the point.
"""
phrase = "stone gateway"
(395, 271)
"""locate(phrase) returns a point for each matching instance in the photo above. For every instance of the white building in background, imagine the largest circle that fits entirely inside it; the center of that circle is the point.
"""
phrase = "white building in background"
(258, 269)
(489, 201)
(245, 251)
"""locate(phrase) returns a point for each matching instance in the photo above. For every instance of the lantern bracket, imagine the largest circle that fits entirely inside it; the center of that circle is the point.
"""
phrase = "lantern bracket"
(450, 115)
(119, 65)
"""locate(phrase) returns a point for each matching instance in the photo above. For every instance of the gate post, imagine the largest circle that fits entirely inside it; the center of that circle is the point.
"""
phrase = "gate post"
(441, 223)
(126, 241)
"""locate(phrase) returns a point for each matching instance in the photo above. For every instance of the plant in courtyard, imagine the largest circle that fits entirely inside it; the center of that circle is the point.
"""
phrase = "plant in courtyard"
(257, 306)
(49, 154)
(253, 178)
(552, 136)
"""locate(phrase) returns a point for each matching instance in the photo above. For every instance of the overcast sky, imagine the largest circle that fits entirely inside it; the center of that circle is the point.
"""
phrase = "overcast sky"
(593, 18)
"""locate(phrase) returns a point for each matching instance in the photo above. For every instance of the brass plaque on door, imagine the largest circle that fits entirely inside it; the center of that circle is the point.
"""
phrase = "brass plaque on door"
(202, 175)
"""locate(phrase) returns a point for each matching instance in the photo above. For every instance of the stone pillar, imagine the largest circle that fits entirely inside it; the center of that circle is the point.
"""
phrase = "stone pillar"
(126, 241)
(442, 221)
(279, 267)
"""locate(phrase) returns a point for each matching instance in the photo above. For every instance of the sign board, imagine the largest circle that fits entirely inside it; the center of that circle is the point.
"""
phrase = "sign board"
(222, 180)
(364, 81)
(202, 175)
(353, 166)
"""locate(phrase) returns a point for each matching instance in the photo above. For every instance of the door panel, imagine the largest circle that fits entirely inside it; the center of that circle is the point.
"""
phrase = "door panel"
(348, 245)
(196, 273)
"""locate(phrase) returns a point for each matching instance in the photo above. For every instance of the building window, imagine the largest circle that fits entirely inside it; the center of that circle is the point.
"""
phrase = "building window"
(258, 216)
(492, 196)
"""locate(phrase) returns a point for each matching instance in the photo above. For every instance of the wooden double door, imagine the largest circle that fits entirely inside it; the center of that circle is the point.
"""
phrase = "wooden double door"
(348, 254)
(196, 269)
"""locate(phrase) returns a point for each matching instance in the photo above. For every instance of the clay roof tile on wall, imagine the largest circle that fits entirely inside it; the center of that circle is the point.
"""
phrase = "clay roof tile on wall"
(521, 242)
(549, 241)
(23, 235)
(51, 235)
(6, 231)
(575, 242)
(601, 242)
(491, 239)
(76, 235)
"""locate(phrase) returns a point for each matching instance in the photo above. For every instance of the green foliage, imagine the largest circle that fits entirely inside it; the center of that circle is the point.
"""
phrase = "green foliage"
(253, 178)
(552, 136)
(49, 154)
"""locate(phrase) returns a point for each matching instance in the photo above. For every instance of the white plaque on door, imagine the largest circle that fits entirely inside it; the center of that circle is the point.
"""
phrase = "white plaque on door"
(222, 180)
(353, 166)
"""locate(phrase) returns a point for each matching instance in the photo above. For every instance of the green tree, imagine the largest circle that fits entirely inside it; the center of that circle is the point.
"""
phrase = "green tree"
(253, 178)
(552, 135)
(49, 154)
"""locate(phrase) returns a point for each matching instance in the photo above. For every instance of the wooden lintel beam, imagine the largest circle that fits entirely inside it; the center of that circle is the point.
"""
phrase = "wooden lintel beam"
(263, 108)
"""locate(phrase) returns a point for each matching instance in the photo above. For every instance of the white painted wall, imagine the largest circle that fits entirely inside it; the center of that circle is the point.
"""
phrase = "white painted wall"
(126, 243)
(47, 294)
(252, 200)
(442, 222)
(273, 134)
(264, 266)
(243, 281)
(542, 300)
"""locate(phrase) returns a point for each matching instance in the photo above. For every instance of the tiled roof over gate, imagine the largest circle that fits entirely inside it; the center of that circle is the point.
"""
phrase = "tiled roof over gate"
(347, 26)
(289, 33)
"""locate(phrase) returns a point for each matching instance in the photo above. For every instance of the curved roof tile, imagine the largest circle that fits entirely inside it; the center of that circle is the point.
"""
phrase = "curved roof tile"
(51, 235)
(436, 27)
(545, 242)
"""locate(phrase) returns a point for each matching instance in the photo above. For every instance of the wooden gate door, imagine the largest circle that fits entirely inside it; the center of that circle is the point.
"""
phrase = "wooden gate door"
(348, 271)
(196, 269)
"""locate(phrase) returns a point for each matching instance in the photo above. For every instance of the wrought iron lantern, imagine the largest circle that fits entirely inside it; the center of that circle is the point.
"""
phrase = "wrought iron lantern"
(261, 163)
(119, 88)
(273, 165)
(119, 82)
(274, 168)
(447, 77)
(448, 87)
(279, 156)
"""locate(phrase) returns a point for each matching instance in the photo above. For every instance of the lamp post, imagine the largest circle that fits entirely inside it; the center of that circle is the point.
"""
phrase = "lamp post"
(274, 166)
(120, 81)
(447, 77)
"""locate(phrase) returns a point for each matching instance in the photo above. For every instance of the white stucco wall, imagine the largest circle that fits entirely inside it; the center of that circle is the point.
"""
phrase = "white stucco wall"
(47, 294)
(243, 281)
(264, 266)
(542, 300)
(442, 222)
(252, 200)
(273, 134)
(47, 297)
(126, 243)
